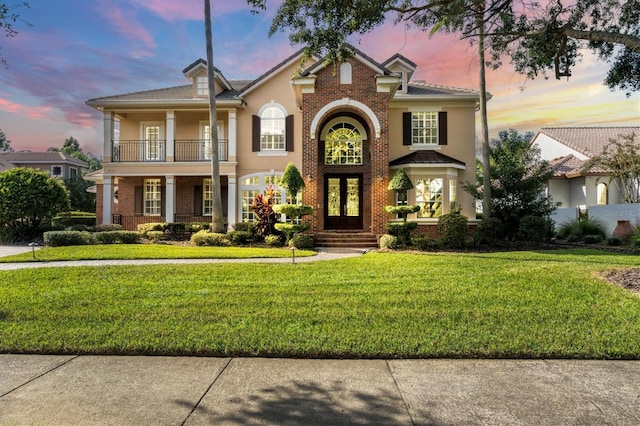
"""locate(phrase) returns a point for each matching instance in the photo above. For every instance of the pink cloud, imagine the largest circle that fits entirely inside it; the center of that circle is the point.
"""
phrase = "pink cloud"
(31, 112)
(171, 10)
(125, 23)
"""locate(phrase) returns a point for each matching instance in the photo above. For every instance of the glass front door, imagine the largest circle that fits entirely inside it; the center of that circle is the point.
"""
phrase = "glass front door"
(343, 201)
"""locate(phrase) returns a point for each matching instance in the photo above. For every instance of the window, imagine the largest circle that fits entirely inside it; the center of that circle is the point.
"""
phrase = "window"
(453, 195)
(153, 147)
(56, 171)
(343, 145)
(345, 73)
(152, 197)
(205, 145)
(602, 194)
(202, 86)
(429, 197)
(73, 172)
(253, 185)
(272, 130)
(424, 128)
(207, 197)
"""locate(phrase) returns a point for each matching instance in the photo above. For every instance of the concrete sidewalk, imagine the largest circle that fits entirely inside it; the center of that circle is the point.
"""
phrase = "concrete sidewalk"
(120, 390)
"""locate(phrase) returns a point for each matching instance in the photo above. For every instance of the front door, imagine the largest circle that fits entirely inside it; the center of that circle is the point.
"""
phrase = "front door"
(343, 201)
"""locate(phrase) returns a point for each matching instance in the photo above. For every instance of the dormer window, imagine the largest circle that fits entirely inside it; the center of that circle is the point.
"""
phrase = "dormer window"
(403, 79)
(202, 86)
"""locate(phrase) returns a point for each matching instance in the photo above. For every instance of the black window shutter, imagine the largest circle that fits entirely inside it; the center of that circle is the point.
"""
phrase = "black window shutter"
(289, 133)
(442, 127)
(137, 200)
(407, 135)
(197, 201)
(163, 200)
(255, 141)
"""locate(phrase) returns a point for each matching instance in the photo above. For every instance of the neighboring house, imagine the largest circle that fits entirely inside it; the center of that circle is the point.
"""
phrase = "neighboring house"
(568, 149)
(57, 164)
(347, 127)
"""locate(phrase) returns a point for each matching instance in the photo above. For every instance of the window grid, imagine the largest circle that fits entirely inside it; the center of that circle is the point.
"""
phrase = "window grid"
(247, 200)
(272, 129)
(429, 196)
(152, 197)
(343, 145)
(425, 128)
(152, 142)
(202, 86)
(207, 197)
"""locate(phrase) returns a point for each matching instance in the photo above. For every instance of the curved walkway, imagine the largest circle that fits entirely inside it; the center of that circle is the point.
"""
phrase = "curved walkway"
(323, 254)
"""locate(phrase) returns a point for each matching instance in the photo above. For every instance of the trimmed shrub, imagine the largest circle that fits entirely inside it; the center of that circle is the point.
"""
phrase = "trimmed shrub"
(155, 236)
(68, 238)
(614, 241)
(198, 226)
(117, 237)
(401, 230)
(143, 228)
(592, 239)
(273, 240)
(301, 241)
(239, 237)
(206, 238)
(245, 226)
(535, 229)
(425, 243)
(80, 227)
(388, 241)
(108, 227)
(490, 231)
(74, 218)
(453, 230)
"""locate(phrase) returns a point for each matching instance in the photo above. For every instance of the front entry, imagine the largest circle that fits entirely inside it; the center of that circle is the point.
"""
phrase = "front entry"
(343, 201)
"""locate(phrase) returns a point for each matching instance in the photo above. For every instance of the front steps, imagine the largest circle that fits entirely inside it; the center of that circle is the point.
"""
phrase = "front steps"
(346, 239)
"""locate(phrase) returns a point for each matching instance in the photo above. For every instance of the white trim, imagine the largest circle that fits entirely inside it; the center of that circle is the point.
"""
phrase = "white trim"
(345, 102)
(273, 153)
(344, 119)
(270, 105)
(61, 175)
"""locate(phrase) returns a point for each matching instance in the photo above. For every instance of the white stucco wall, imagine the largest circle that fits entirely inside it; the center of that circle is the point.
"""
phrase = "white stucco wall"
(551, 149)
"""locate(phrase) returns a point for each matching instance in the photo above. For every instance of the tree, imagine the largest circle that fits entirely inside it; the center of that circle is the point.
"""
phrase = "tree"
(217, 219)
(79, 198)
(292, 181)
(5, 144)
(8, 17)
(621, 158)
(27, 197)
(72, 147)
(518, 180)
(539, 39)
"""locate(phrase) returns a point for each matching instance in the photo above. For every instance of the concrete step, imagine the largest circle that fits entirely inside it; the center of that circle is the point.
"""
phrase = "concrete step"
(344, 239)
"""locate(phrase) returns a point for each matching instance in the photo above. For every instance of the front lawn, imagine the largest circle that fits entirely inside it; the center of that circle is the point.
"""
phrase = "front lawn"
(150, 251)
(381, 305)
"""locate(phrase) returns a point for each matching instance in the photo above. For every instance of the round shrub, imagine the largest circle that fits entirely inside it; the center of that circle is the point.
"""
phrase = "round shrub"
(388, 241)
(155, 236)
(117, 237)
(453, 230)
(301, 241)
(490, 231)
(535, 229)
(68, 238)
(401, 230)
(206, 238)
(239, 237)
(273, 240)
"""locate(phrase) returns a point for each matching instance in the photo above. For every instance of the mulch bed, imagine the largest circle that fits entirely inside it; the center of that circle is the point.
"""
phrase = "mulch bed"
(625, 278)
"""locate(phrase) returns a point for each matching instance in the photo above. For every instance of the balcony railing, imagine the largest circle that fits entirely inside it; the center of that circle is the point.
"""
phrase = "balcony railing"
(152, 151)
(198, 150)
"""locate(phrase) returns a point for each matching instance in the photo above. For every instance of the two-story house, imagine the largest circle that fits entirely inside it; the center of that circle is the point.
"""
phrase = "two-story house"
(348, 127)
(57, 164)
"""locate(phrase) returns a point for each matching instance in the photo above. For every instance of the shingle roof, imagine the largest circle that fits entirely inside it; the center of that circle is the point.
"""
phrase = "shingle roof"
(425, 157)
(41, 157)
(422, 88)
(589, 141)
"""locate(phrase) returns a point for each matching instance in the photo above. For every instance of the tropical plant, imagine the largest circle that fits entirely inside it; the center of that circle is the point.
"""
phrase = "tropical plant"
(262, 207)
(577, 229)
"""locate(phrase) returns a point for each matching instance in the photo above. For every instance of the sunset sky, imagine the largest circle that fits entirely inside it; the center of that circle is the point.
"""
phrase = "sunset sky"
(68, 51)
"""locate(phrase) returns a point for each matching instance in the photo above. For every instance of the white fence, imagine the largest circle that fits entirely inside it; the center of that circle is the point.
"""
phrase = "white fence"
(609, 215)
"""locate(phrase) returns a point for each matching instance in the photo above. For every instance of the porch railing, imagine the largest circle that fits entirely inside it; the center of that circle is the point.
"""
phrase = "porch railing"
(198, 150)
(150, 151)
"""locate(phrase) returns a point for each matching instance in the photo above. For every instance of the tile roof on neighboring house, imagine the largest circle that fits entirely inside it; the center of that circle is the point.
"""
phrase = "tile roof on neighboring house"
(564, 166)
(426, 157)
(17, 158)
(589, 141)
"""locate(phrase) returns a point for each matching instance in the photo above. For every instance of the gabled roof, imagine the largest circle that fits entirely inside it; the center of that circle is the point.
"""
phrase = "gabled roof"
(359, 55)
(426, 157)
(18, 158)
(589, 141)
(252, 84)
(200, 65)
(401, 59)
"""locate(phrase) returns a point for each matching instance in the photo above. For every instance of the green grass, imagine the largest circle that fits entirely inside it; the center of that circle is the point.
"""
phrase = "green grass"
(149, 251)
(381, 305)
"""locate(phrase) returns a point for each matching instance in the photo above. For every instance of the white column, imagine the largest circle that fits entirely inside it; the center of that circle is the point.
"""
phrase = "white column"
(107, 200)
(171, 134)
(170, 202)
(232, 201)
(107, 138)
(233, 127)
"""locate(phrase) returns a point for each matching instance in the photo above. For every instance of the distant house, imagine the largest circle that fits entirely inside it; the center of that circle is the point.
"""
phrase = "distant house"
(57, 164)
(568, 149)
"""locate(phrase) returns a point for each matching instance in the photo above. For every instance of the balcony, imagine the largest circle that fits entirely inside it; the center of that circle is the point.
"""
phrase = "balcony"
(155, 151)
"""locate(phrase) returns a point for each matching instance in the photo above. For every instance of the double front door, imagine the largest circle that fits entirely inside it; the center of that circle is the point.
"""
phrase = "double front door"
(343, 201)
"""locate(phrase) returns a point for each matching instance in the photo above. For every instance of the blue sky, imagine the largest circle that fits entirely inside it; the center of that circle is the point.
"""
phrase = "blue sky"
(68, 51)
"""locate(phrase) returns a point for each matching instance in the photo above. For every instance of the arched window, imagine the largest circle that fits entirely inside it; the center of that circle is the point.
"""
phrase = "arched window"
(272, 129)
(345, 73)
(343, 145)
(602, 194)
